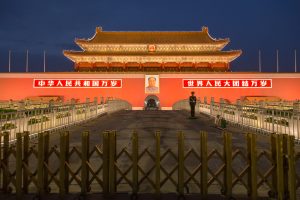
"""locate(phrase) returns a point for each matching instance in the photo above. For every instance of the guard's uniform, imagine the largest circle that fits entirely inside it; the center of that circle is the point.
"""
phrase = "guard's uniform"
(192, 105)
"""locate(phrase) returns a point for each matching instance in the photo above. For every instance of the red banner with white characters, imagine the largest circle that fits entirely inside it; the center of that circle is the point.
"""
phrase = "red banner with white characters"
(227, 83)
(77, 83)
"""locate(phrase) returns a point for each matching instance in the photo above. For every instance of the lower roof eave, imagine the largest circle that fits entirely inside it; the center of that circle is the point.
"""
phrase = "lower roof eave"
(144, 59)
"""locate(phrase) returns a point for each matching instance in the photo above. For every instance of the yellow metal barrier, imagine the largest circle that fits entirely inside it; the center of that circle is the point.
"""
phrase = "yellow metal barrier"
(17, 175)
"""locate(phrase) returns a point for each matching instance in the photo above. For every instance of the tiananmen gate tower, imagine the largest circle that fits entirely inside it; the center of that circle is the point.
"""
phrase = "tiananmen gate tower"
(152, 51)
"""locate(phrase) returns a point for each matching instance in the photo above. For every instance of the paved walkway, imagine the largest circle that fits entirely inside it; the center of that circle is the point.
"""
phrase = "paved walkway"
(167, 122)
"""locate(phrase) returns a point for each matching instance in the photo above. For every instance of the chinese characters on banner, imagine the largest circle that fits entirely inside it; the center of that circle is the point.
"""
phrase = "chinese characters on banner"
(77, 83)
(227, 83)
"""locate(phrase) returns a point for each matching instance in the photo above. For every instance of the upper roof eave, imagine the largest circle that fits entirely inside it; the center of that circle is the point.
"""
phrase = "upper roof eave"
(88, 42)
(214, 53)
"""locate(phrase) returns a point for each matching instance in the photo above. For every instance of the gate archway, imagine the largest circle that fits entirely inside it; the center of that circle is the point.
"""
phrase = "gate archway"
(151, 103)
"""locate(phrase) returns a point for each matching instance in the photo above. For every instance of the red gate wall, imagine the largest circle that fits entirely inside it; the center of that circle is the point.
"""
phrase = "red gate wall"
(17, 86)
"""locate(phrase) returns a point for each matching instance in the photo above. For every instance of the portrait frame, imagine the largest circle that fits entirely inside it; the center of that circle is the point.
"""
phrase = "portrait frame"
(149, 89)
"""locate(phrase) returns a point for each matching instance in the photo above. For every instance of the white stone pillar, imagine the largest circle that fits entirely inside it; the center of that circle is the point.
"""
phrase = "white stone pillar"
(73, 110)
(95, 106)
(21, 105)
(212, 104)
(221, 108)
(238, 112)
(11, 104)
(197, 109)
(273, 121)
(261, 115)
(87, 108)
(296, 107)
(295, 119)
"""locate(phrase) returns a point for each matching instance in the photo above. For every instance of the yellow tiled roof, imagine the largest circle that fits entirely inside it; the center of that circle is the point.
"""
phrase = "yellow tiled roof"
(178, 37)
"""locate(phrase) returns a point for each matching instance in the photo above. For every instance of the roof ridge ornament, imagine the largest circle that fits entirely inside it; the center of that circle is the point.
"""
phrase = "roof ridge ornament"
(98, 29)
(205, 29)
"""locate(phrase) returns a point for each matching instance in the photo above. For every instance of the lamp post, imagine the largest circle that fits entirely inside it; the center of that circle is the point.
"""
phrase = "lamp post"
(9, 62)
(44, 61)
(277, 61)
(295, 60)
(27, 60)
(259, 60)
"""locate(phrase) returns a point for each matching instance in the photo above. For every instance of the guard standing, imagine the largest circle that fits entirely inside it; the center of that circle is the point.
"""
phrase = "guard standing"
(193, 104)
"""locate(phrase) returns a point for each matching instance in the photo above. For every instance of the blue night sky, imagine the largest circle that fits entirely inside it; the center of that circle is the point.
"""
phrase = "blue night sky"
(54, 24)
